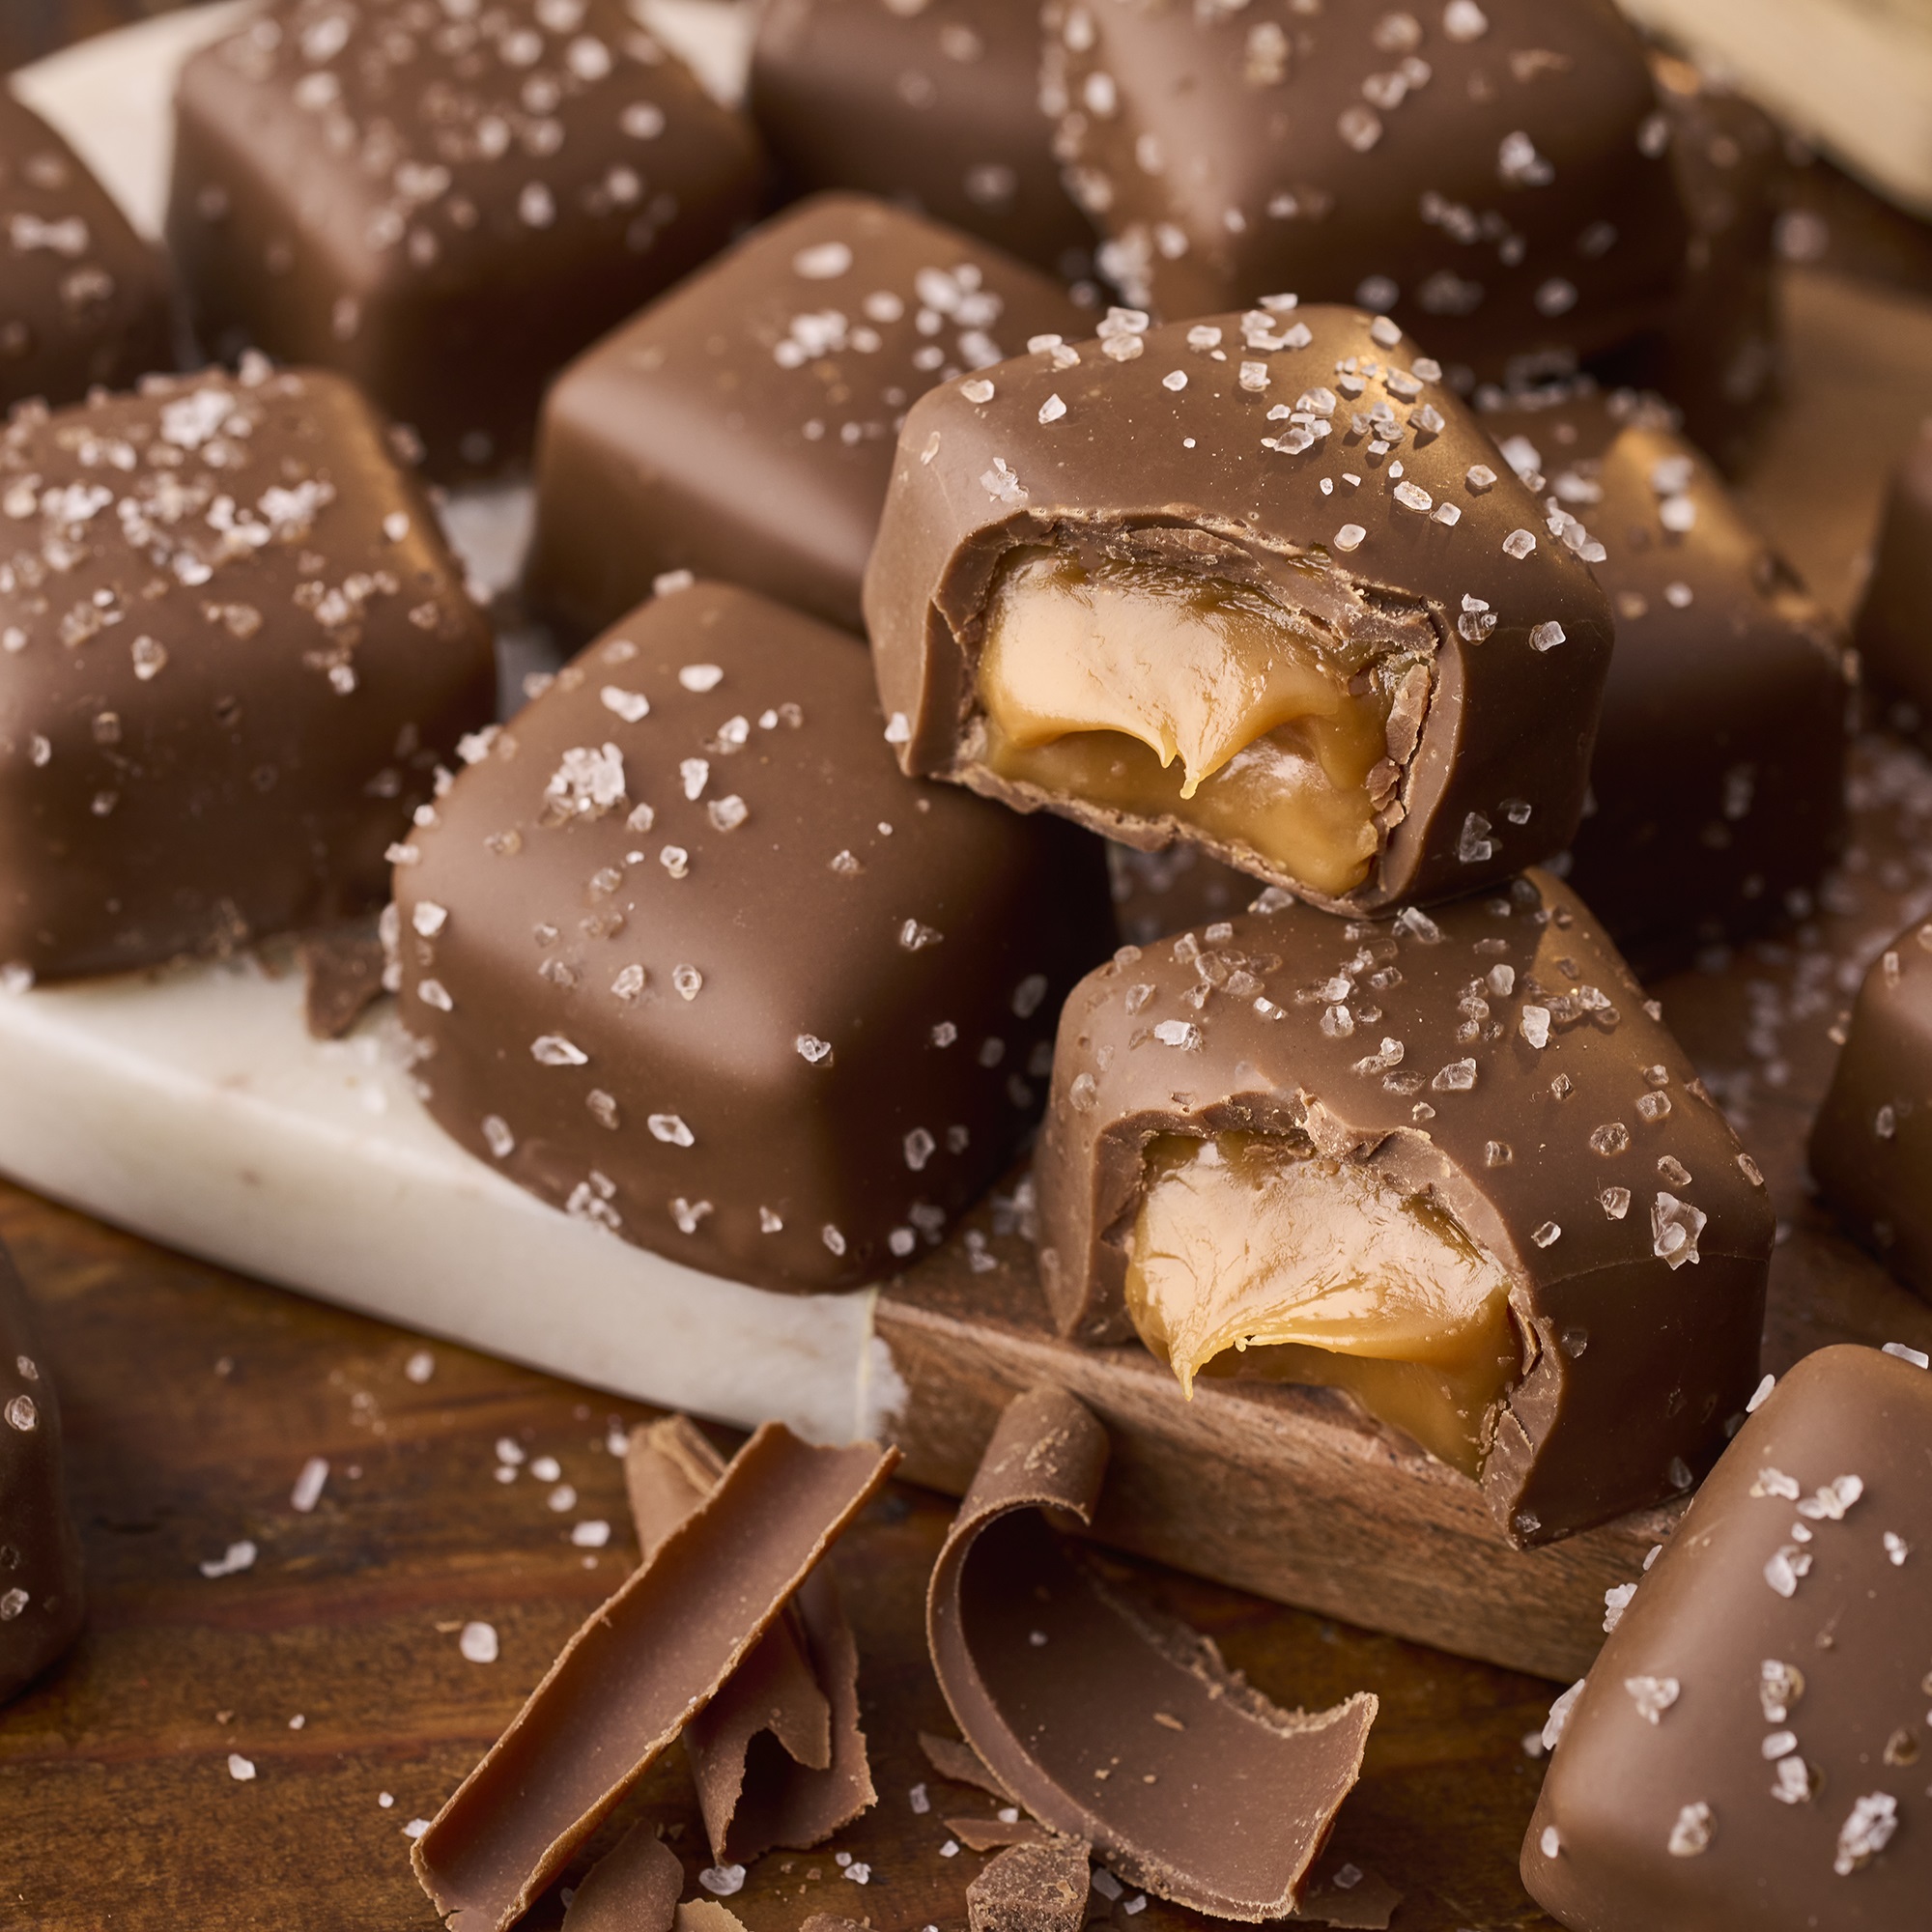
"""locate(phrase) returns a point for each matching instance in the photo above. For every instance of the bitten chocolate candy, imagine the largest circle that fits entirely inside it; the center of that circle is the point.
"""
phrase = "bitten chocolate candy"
(1890, 629)
(446, 204)
(1752, 1747)
(83, 300)
(1497, 179)
(1716, 786)
(690, 958)
(232, 648)
(743, 427)
(1253, 581)
(1451, 1162)
(1871, 1142)
(933, 106)
(41, 1606)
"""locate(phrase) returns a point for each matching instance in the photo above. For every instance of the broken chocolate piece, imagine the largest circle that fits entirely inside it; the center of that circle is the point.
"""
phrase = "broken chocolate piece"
(343, 969)
(743, 427)
(1341, 1895)
(449, 207)
(1450, 1163)
(41, 1598)
(643, 1665)
(695, 962)
(234, 649)
(1871, 1143)
(1497, 179)
(1751, 1745)
(800, 1683)
(960, 1763)
(1717, 782)
(988, 1835)
(84, 301)
(1034, 1886)
(932, 107)
(633, 1887)
(1253, 583)
(1889, 630)
(1111, 1729)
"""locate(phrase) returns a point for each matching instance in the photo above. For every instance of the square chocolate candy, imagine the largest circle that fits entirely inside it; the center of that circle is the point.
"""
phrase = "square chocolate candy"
(1752, 1747)
(743, 427)
(690, 958)
(232, 648)
(83, 300)
(1450, 1162)
(446, 203)
(1495, 177)
(934, 106)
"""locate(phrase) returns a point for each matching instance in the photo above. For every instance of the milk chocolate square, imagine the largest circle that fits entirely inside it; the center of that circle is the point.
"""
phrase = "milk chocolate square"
(743, 427)
(83, 300)
(690, 958)
(1451, 1161)
(234, 648)
(446, 204)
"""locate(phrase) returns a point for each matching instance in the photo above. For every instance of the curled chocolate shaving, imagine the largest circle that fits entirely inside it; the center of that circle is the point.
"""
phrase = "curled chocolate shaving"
(1134, 1737)
(633, 1887)
(960, 1763)
(634, 1675)
(1035, 1887)
(800, 1683)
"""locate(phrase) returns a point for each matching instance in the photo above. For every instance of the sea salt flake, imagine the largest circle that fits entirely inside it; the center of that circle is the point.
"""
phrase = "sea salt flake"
(1652, 1696)
(1865, 1833)
(1692, 1833)
(723, 1881)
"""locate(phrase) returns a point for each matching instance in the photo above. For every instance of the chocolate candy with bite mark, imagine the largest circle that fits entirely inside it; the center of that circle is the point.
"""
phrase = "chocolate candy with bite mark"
(84, 301)
(1750, 1747)
(932, 106)
(234, 647)
(1716, 785)
(445, 209)
(1889, 630)
(742, 428)
(1475, 1101)
(40, 1603)
(691, 959)
(1498, 180)
(1871, 1142)
(1253, 581)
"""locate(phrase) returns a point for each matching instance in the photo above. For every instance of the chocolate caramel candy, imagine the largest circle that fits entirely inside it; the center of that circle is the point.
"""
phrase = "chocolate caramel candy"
(931, 105)
(1496, 177)
(446, 204)
(1255, 582)
(1889, 629)
(83, 300)
(232, 649)
(743, 427)
(1452, 1163)
(688, 957)
(40, 1603)
(1871, 1142)
(1716, 785)
(1751, 1745)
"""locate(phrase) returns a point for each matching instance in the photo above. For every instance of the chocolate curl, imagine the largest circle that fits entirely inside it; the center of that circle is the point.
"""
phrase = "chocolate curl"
(1134, 1737)
(1038, 1886)
(801, 1684)
(643, 1665)
(633, 1887)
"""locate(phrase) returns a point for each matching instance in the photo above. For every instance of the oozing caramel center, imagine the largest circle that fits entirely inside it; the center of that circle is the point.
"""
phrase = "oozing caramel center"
(1098, 681)
(1250, 1256)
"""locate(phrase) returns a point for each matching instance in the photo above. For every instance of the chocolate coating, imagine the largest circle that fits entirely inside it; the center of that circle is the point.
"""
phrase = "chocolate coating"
(743, 427)
(1750, 1747)
(1871, 1142)
(41, 1600)
(83, 300)
(720, 979)
(1716, 783)
(232, 648)
(1497, 179)
(1631, 1363)
(1889, 629)
(933, 106)
(445, 208)
(1494, 781)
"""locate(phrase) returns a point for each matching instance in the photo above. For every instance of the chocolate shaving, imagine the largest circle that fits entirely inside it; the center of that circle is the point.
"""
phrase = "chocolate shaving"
(960, 1763)
(989, 1835)
(633, 1676)
(830, 1922)
(1135, 1738)
(800, 1683)
(634, 1887)
(1040, 1887)
(344, 970)
(1348, 1898)
(706, 1915)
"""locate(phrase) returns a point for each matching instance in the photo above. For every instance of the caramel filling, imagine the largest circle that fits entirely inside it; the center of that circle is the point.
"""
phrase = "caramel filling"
(1145, 689)
(1251, 1256)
